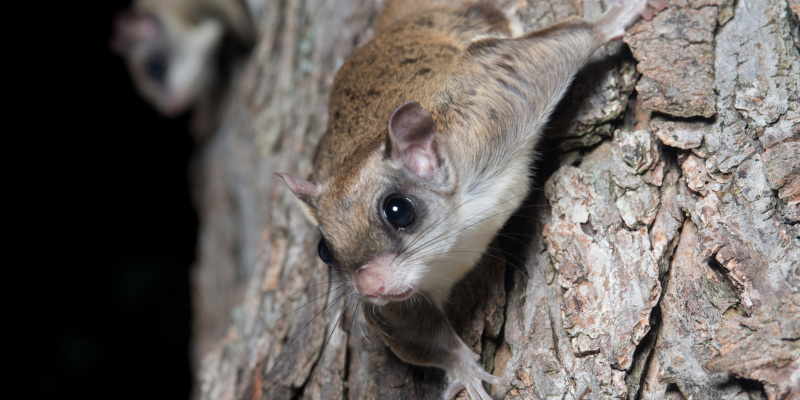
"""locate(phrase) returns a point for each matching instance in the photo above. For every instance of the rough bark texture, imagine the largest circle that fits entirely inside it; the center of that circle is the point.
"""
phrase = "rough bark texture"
(659, 258)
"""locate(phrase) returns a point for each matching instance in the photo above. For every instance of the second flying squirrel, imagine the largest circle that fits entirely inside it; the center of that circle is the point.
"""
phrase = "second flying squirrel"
(175, 50)
(427, 154)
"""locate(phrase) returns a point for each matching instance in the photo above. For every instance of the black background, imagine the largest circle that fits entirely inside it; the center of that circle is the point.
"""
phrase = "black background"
(117, 230)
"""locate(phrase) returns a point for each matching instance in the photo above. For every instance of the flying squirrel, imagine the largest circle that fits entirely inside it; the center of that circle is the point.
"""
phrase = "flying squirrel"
(177, 50)
(427, 154)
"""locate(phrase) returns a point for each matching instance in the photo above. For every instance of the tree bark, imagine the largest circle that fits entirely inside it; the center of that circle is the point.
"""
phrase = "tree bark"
(658, 255)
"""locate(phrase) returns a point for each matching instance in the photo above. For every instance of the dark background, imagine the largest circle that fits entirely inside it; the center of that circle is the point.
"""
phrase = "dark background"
(119, 228)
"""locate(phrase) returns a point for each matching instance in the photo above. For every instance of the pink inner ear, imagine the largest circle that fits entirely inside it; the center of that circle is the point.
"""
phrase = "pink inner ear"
(131, 27)
(121, 40)
(420, 160)
(146, 27)
(410, 139)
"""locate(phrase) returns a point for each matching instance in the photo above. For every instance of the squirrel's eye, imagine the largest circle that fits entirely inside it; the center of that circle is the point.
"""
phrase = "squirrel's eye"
(399, 211)
(156, 66)
(325, 252)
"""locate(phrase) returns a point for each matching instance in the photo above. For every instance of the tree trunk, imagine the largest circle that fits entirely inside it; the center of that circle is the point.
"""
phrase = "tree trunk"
(657, 257)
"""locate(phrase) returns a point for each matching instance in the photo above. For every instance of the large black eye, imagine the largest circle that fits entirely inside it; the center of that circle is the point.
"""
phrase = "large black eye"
(324, 252)
(156, 66)
(399, 211)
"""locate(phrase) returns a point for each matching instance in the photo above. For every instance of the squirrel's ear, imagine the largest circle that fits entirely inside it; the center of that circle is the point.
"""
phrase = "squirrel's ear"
(409, 140)
(305, 191)
(130, 28)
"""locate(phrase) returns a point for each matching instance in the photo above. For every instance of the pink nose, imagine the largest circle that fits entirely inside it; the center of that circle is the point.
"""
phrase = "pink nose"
(370, 282)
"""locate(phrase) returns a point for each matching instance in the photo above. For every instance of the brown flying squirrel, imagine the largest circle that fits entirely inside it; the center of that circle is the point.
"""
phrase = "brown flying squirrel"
(428, 153)
(173, 48)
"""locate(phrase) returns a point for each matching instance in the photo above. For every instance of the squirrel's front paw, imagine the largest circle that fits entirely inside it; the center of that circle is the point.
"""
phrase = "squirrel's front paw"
(470, 376)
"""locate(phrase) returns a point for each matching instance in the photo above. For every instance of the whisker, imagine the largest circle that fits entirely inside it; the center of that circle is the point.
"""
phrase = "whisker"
(444, 254)
(310, 387)
(435, 224)
(271, 323)
(360, 325)
(424, 296)
(293, 343)
(377, 324)
(359, 303)
(503, 251)
(457, 230)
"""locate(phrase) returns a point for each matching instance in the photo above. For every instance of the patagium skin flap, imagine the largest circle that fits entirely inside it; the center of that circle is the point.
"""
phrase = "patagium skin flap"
(427, 154)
